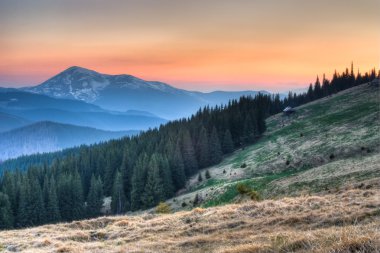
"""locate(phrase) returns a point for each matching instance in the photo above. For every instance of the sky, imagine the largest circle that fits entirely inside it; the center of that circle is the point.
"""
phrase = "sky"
(202, 45)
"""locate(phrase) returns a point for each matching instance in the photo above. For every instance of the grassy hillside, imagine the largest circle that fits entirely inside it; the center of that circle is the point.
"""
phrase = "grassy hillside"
(346, 221)
(324, 145)
(317, 170)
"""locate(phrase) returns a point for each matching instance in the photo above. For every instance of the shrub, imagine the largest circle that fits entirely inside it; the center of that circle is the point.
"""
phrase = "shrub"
(287, 162)
(200, 179)
(207, 174)
(163, 208)
(243, 188)
(183, 204)
(254, 195)
(332, 156)
(196, 200)
(224, 171)
(244, 165)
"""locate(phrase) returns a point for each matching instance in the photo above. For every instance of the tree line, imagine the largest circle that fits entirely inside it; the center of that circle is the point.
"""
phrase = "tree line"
(140, 171)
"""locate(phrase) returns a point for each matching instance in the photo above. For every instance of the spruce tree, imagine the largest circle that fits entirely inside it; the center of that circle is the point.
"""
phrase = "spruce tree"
(166, 176)
(203, 151)
(10, 188)
(95, 197)
(200, 179)
(188, 154)
(207, 174)
(45, 189)
(52, 207)
(64, 193)
(119, 203)
(228, 145)
(23, 212)
(178, 168)
(36, 203)
(138, 182)
(196, 200)
(110, 170)
(317, 89)
(154, 188)
(126, 169)
(248, 130)
(310, 93)
(215, 148)
(6, 215)
(77, 199)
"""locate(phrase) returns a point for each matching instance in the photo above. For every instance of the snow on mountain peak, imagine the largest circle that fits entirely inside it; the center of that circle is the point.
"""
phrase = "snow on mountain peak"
(87, 85)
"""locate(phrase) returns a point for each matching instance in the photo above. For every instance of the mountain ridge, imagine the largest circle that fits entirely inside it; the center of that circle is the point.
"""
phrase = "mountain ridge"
(126, 92)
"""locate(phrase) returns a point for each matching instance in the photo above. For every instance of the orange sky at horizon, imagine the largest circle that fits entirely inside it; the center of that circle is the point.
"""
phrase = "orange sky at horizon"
(198, 45)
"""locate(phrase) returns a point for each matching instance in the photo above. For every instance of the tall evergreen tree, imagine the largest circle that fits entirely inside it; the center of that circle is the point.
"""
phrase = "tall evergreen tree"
(203, 151)
(64, 193)
(126, 169)
(317, 89)
(188, 154)
(95, 197)
(77, 198)
(119, 202)
(138, 182)
(6, 214)
(310, 93)
(10, 188)
(154, 189)
(23, 213)
(166, 176)
(178, 168)
(215, 147)
(248, 130)
(31, 207)
(228, 145)
(52, 207)
(111, 166)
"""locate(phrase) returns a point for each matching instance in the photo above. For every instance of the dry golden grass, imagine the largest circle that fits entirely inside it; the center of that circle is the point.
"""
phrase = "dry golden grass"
(346, 221)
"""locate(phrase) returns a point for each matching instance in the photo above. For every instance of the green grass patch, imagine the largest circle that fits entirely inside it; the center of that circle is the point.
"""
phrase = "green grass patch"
(207, 183)
(258, 184)
(225, 198)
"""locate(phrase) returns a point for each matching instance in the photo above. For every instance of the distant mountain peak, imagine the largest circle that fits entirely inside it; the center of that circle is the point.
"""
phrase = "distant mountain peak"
(126, 92)
(84, 84)
(80, 70)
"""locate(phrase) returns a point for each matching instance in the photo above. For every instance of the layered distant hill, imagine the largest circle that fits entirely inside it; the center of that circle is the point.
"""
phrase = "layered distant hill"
(126, 92)
(8, 121)
(33, 123)
(49, 136)
(18, 108)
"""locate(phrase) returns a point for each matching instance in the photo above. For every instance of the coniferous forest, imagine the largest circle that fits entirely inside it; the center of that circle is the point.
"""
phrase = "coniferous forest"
(138, 172)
